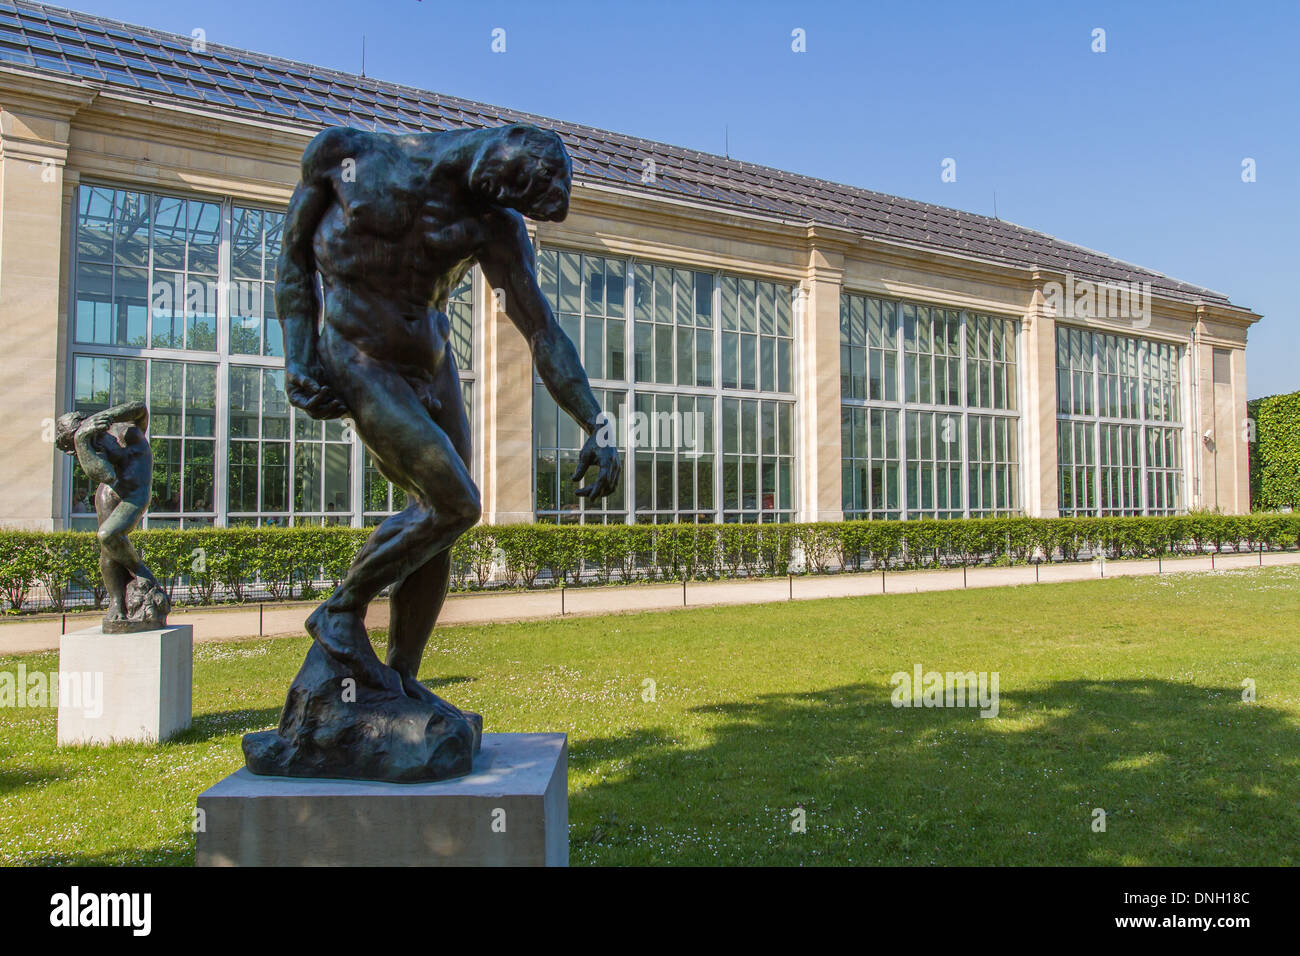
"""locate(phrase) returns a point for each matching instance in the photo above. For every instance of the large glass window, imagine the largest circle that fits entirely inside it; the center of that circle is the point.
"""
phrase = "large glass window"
(156, 277)
(757, 343)
(693, 453)
(675, 458)
(993, 464)
(182, 418)
(587, 295)
(283, 469)
(934, 465)
(1120, 463)
(870, 451)
(945, 381)
(183, 284)
(673, 309)
(557, 442)
(1119, 432)
(99, 383)
(931, 355)
(1164, 473)
(990, 362)
(322, 460)
(868, 349)
(111, 303)
(254, 249)
(757, 457)
(259, 446)
(181, 399)
(1076, 448)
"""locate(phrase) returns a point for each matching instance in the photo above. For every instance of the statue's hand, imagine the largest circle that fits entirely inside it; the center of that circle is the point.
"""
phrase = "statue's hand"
(98, 423)
(605, 457)
(317, 400)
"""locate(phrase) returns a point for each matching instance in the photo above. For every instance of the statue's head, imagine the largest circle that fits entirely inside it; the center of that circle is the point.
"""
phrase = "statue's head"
(525, 168)
(65, 430)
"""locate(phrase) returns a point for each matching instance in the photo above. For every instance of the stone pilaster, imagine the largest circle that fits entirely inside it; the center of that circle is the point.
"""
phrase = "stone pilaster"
(818, 330)
(507, 420)
(1240, 447)
(34, 208)
(1221, 410)
(1038, 460)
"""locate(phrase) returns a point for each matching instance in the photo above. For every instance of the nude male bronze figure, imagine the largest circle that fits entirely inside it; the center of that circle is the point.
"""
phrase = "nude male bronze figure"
(112, 449)
(390, 224)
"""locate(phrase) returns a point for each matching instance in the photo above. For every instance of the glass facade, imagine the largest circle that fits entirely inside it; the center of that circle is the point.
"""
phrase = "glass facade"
(557, 441)
(703, 411)
(254, 247)
(929, 411)
(173, 303)
(1119, 424)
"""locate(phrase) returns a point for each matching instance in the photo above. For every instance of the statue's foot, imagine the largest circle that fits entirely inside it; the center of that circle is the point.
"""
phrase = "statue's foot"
(147, 604)
(417, 691)
(367, 735)
(342, 635)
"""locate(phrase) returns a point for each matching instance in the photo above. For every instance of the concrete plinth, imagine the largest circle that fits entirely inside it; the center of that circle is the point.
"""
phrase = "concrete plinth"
(145, 682)
(512, 810)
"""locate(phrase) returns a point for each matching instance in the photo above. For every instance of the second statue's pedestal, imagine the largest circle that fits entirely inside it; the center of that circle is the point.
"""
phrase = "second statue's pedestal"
(512, 810)
(123, 688)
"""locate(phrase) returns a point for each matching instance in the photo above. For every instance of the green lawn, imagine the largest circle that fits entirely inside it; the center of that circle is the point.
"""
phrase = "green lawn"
(1122, 694)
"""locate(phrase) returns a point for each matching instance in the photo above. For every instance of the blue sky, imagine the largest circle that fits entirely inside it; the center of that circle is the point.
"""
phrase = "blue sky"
(1136, 152)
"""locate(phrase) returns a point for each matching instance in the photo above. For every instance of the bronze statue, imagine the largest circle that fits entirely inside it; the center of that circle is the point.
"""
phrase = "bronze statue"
(390, 224)
(113, 451)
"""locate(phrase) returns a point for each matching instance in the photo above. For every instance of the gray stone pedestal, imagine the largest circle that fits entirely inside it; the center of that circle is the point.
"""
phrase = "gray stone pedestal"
(143, 682)
(512, 810)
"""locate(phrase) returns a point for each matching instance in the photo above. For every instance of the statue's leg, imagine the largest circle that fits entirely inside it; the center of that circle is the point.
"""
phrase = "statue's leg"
(122, 522)
(412, 611)
(415, 453)
(416, 601)
(118, 559)
(115, 581)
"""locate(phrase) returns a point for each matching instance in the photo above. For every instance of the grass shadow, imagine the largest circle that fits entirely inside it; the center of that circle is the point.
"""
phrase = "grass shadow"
(14, 780)
(1185, 774)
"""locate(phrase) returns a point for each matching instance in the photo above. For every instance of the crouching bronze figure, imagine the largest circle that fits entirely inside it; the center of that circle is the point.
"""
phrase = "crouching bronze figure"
(112, 449)
(389, 224)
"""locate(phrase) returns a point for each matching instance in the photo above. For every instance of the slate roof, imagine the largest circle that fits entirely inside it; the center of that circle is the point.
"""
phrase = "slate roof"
(159, 65)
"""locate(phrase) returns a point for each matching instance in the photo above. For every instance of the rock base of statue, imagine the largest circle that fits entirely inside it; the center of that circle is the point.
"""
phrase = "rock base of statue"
(513, 810)
(117, 688)
(335, 726)
(147, 607)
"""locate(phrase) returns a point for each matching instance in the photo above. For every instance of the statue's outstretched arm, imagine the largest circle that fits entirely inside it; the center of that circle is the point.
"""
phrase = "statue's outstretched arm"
(509, 264)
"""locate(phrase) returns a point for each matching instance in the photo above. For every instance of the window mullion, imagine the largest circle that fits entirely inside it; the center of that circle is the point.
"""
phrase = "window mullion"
(1144, 351)
(220, 391)
(1096, 428)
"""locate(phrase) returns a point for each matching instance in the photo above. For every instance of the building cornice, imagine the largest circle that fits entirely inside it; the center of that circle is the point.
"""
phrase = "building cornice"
(1186, 310)
(52, 96)
(36, 118)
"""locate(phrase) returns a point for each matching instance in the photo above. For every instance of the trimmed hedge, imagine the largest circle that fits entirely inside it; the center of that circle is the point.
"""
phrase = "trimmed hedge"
(203, 565)
(1275, 452)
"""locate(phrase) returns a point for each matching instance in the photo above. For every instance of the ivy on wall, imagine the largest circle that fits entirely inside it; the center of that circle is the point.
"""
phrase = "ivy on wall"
(1275, 452)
